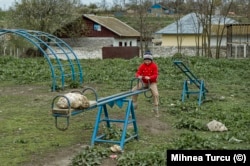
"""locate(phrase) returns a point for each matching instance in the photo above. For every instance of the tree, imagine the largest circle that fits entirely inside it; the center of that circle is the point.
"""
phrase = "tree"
(104, 5)
(43, 15)
(208, 10)
(221, 28)
(145, 28)
(203, 12)
(177, 5)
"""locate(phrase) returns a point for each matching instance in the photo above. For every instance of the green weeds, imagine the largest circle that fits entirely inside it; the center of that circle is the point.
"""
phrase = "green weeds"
(27, 128)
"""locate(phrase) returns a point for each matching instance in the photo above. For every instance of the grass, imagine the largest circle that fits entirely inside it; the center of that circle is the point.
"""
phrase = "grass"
(27, 128)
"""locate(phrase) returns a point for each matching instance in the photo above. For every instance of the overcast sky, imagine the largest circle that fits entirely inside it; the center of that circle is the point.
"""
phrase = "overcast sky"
(5, 4)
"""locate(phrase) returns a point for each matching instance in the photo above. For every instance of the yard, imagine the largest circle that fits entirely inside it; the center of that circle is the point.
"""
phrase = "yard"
(28, 135)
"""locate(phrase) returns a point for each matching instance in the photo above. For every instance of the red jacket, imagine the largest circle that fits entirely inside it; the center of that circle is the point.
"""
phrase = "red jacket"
(150, 70)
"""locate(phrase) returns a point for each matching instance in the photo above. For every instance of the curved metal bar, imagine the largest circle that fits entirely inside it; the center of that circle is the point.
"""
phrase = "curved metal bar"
(91, 89)
(138, 80)
(38, 35)
(35, 38)
(145, 93)
(58, 42)
(59, 128)
(53, 101)
(68, 115)
(76, 91)
(48, 37)
(27, 37)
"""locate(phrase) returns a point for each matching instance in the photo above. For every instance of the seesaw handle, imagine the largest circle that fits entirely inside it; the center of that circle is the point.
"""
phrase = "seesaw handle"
(140, 80)
(90, 89)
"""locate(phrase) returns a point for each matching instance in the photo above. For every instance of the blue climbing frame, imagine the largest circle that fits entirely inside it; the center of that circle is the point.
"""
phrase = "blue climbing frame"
(53, 49)
(192, 80)
(120, 99)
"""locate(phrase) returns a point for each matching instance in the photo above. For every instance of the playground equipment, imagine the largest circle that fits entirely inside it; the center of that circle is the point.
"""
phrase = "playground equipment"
(192, 80)
(52, 49)
(119, 99)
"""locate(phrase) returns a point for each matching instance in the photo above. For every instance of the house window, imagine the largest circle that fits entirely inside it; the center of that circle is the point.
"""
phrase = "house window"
(125, 44)
(120, 44)
(130, 43)
(97, 27)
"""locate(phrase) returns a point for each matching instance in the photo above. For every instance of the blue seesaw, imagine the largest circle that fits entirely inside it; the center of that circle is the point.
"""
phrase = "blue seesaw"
(192, 80)
(119, 99)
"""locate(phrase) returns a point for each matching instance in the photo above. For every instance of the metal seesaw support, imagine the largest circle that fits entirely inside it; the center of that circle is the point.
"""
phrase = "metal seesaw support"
(117, 99)
(127, 120)
(192, 80)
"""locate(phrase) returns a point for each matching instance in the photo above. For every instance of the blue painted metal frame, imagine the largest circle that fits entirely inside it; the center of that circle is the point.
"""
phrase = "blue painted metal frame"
(102, 109)
(102, 103)
(201, 92)
(38, 38)
(192, 80)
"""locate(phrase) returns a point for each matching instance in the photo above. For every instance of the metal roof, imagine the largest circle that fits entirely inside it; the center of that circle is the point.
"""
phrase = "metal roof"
(191, 24)
(114, 25)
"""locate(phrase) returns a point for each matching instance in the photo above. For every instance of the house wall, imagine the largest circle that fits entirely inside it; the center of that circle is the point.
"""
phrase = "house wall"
(125, 42)
(165, 51)
(89, 47)
(187, 40)
(214, 41)
(96, 30)
(92, 48)
(100, 48)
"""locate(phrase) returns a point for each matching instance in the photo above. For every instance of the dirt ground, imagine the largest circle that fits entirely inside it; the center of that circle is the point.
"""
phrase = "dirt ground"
(58, 158)
(64, 156)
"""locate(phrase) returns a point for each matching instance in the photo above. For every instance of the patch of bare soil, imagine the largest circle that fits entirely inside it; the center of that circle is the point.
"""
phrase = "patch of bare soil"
(58, 158)
(64, 156)
(153, 125)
